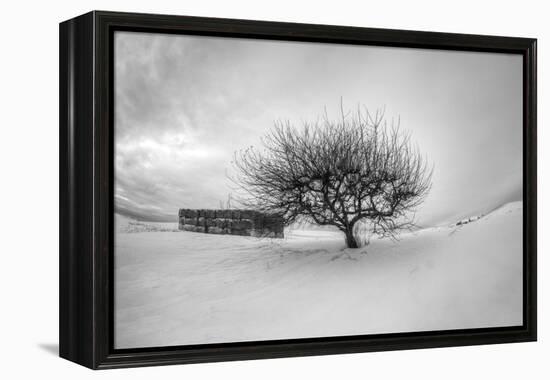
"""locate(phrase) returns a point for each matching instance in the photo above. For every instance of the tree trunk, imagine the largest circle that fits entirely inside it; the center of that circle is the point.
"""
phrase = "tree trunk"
(350, 239)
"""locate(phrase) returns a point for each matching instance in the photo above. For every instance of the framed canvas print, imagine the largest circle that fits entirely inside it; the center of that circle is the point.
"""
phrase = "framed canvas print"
(236, 189)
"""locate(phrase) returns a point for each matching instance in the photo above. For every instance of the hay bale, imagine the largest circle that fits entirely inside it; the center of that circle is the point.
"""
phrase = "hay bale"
(215, 230)
(249, 214)
(241, 225)
(221, 223)
(191, 221)
(225, 214)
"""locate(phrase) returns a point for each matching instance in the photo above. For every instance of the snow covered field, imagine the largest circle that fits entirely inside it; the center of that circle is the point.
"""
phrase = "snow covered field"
(176, 288)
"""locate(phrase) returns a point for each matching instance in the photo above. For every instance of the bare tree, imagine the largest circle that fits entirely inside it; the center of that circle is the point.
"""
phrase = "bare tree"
(347, 172)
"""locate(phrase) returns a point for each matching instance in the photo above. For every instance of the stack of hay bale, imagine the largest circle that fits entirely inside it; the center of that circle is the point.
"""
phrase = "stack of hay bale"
(232, 222)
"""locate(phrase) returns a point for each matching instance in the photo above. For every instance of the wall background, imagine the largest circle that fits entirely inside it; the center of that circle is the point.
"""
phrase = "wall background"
(29, 167)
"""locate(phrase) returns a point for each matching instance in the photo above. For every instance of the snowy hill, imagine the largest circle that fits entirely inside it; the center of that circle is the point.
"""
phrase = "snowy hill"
(187, 288)
(126, 225)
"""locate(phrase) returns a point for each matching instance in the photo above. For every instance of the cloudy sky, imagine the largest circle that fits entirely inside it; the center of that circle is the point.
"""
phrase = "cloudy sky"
(185, 104)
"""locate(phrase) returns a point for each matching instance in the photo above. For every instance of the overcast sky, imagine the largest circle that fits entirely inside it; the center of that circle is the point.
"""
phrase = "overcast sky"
(185, 104)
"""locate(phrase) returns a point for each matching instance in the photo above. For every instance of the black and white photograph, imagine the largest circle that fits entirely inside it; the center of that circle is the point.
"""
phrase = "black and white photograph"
(269, 190)
(209, 189)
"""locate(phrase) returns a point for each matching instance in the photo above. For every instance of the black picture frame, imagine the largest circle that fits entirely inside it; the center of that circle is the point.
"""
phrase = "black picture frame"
(86, 189)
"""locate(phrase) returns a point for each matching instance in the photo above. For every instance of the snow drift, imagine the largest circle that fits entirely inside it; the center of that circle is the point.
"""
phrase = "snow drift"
(177, 288)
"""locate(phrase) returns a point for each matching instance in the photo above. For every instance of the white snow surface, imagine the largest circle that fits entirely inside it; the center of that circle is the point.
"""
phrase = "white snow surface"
(180, 288)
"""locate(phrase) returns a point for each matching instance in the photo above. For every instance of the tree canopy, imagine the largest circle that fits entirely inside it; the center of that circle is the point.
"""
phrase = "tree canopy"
(337, 172)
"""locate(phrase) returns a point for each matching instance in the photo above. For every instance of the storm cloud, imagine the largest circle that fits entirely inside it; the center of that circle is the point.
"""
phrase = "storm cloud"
(185, 104)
